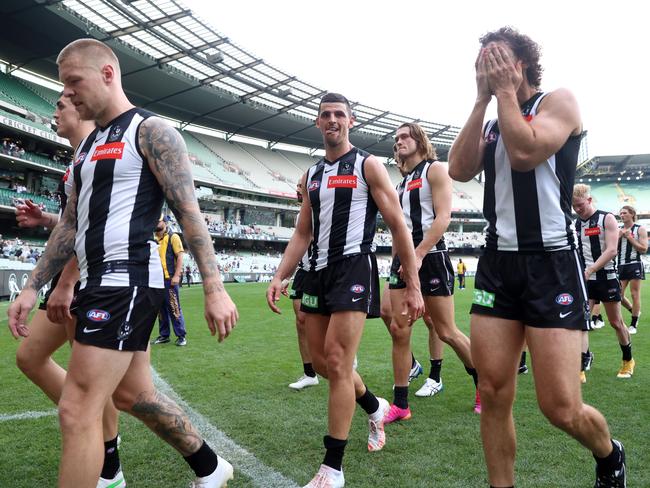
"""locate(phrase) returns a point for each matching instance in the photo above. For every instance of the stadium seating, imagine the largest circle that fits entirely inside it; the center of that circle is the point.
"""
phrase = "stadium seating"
(611, 196)
(467, 196)
(14, 90)
(302, 161)
(7, 198)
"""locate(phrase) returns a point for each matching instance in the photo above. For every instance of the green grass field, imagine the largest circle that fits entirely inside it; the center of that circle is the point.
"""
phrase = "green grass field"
(240, 386)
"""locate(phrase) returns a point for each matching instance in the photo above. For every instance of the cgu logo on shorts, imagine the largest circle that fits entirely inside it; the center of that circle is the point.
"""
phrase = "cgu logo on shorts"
(97, 315)
(342, 181)
(357, 289)
(564, 299)
(592, 231)
(114, 150)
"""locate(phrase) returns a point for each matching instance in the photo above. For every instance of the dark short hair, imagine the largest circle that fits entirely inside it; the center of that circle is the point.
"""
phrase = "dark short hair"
(335, 98)
(526, 50)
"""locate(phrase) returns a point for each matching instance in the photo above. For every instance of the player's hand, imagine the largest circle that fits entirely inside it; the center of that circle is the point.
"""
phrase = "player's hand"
(588, 273)
(175, 280)
(285, 288)
(483, 91)
(19, 311)
(273, 294)
(28, 214)
(504, 75)
(58, 304)
(220, 313)
(413, 303)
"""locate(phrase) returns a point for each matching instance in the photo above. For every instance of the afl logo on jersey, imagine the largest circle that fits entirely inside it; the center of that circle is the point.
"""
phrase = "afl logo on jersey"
(357, 289)
(97, 315)
(491, 137)
(80, 158)
(564, 299)
(313, 185)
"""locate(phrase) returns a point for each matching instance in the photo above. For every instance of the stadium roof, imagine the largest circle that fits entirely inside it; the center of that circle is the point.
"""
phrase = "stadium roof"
(631, 165)
(178, 65)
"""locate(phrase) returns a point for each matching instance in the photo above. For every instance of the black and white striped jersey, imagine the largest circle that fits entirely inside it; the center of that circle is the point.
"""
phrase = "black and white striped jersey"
(65, 188)
(415, 197)
(344, 214)
(591, 244)
(119, 202)
(528, 211)
(627, 253)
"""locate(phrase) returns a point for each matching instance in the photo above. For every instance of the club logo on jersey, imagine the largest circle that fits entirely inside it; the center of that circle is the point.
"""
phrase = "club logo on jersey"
(113, 150)
(564, 299)
(80, 158)
(357, 289)
(342, 181)
(592, 231)
(491, 137)
(115, 134)
(313, 185)
(414, 184)
(97, 315)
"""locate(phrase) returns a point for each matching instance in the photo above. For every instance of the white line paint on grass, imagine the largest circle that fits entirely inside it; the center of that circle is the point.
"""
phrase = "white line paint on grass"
(242, 460)
(7, 417)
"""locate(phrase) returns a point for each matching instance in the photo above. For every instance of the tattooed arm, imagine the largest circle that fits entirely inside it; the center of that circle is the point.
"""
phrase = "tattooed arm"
(60, 248)
(166, 153)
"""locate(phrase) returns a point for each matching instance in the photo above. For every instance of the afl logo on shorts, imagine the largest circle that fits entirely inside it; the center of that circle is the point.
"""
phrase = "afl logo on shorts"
(313, 185)
(564, 299)
(357, 289)
(434, 281)
(97, 315)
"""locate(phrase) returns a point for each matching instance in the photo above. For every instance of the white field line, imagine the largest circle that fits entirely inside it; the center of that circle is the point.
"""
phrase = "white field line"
(243, 461)
(7, 417)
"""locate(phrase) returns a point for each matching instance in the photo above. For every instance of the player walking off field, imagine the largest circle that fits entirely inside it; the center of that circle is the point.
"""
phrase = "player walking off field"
(337, 221)
(632, 243)
(597, 233)
(529, 282)
(122, 171)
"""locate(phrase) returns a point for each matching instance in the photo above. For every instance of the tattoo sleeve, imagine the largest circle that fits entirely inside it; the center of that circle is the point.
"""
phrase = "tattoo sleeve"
(60, 246)
(167, 156)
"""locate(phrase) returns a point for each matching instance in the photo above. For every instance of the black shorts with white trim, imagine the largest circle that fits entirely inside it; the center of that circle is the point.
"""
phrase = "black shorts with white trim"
(544, 289)
(631, 271)
(351, 284)
(297, 285)
(436, 275)
(119, 318)
(604, 290)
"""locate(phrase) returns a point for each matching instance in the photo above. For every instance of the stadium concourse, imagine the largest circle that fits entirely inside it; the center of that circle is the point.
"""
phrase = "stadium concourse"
(248, 127)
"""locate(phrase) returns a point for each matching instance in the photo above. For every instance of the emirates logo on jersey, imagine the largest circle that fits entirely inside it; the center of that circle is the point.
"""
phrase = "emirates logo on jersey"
(592, 231)
(414, 184)
(340, 181)
(114, 150)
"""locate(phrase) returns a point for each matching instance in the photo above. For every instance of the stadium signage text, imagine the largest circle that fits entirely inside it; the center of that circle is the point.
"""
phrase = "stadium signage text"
(342, 182)
(114, 150)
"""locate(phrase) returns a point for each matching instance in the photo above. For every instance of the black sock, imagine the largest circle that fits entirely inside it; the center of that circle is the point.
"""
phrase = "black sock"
(611, 461)
(334, 452)
(436, 367)
(473, 374)
(413, 361)
(522, 361)
(585, 360)
(600, 317)
(635, 321)
(594, 318)
(627, 352)
(401, 396)
(203, 462)
(111, 460)
(308, 368)
(368, 402)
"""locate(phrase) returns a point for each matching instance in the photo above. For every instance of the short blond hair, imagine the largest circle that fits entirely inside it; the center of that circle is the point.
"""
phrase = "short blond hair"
(581, 191)
(91, 50)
